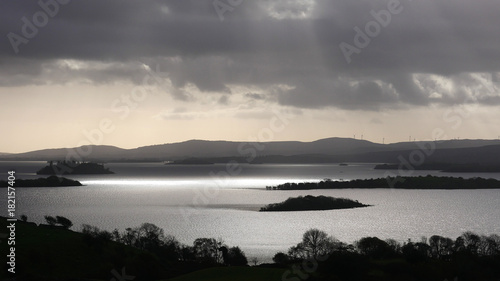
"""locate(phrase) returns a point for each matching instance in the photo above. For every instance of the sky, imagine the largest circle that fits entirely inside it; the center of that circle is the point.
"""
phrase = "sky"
(132, 73)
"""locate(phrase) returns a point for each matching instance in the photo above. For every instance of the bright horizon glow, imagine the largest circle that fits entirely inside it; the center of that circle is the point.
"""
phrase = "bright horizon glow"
(169, 72)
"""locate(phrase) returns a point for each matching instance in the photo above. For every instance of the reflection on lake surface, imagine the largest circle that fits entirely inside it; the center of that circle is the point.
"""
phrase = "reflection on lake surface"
(203, 201)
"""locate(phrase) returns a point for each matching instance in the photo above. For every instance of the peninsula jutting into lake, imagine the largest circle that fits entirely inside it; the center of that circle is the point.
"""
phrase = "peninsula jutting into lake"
(427, 182)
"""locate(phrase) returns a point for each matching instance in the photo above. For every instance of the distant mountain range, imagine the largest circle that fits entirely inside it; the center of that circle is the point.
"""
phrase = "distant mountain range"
(330, 150)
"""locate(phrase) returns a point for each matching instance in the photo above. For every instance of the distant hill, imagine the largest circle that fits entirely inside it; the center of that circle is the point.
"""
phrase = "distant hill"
(489, 154)
(96, 151)
(201, 149)
(329, 150)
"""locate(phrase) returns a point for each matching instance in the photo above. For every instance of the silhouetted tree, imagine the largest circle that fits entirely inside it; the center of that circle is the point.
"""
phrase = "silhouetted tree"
(374, 248)
(490, 245)
(130, 237)
(394, 245)
(64, 222)
(93, 236)
(440, 247)
(24, 218)
(171, 248)
(50, 220)
(206, 250)
(90, 230)
(187, 253)
(150, 237)
(314, 243)
(459, 245)
(116, 235)
(281, 258)
(236, 257)
(416, 252)
(225, 254)
(297, 252)
(471, 242)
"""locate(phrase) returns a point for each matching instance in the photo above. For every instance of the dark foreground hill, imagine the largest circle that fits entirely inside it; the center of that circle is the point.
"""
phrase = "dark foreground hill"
(53, 253)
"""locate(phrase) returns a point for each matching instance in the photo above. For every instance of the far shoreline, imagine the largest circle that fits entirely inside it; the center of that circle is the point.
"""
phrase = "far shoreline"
(416, 183)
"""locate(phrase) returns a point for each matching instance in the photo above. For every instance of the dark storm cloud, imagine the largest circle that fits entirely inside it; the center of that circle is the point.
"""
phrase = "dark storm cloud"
(267, 43)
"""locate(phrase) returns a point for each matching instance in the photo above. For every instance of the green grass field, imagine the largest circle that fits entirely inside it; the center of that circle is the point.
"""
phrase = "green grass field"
(233, 274)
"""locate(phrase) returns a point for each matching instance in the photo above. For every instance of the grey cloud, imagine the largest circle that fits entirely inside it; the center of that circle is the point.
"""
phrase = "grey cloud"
(253, 47)
(365, 95)
(255, 96)
(253, 115)
(223, 100)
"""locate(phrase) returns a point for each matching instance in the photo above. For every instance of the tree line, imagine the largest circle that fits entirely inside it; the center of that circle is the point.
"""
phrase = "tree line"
(468, 257)
(316, 243)
(151, 238)
(318, 256)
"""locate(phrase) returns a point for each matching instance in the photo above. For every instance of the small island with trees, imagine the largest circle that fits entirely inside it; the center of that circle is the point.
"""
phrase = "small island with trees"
(312, 203)
(73, 168)
(52, 181)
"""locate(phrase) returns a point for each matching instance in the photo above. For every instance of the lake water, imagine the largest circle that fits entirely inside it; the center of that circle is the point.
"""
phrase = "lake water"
(196, 201)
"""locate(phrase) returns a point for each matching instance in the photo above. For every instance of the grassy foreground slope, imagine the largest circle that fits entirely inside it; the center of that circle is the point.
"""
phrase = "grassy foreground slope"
(54, 253)
(44, 253)
(234, 273)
